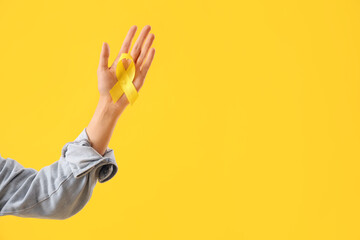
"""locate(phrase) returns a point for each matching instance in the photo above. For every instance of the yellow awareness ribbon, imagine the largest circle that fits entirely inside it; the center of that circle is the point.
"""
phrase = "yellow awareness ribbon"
(124, 83)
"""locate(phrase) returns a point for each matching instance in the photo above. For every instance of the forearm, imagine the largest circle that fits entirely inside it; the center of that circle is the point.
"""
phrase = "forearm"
(26, 192)
(102, 124)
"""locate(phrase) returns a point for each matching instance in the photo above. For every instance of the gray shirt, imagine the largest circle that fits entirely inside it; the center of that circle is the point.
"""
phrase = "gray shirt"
(57, 191)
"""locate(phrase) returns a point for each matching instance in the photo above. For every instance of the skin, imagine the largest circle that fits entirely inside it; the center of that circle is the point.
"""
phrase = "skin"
(107, 113)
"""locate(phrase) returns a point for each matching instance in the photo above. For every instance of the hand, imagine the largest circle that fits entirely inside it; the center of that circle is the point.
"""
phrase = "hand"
(106, 113)
(107, 75)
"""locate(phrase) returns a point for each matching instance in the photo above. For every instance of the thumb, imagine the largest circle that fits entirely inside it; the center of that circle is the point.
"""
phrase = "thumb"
(104, 56)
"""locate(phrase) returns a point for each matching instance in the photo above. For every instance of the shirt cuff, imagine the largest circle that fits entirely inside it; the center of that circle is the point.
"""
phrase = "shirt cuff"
(83, 159)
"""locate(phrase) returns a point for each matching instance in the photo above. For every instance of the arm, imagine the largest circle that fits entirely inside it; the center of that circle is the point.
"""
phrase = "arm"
(57, 191)
(62, 189)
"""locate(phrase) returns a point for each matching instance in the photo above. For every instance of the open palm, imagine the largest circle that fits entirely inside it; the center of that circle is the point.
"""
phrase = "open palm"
(142, 54)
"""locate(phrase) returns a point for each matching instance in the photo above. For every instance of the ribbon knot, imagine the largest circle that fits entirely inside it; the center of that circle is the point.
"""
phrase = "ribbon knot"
(124, 83)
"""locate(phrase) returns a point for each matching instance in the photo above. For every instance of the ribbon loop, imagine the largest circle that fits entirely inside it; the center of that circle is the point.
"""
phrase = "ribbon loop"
(124, 83)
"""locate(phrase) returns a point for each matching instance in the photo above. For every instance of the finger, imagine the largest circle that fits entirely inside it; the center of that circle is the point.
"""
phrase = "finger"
(139, 42)
(126, 44)
(104, 56)
(145, 49)
(128, 39)
(148, 61)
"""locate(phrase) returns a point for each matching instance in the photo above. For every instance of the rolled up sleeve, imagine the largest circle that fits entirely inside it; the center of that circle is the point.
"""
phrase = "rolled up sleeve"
(57, 191)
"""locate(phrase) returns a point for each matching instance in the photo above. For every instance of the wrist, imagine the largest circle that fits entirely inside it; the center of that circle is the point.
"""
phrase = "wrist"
(107, 107)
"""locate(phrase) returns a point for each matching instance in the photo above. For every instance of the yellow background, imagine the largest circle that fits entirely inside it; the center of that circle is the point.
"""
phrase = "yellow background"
(247, 126)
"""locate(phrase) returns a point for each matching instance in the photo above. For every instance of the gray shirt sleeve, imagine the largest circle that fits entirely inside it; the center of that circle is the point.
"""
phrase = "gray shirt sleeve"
(57, 191)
